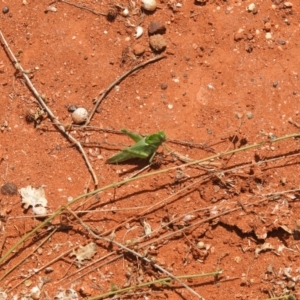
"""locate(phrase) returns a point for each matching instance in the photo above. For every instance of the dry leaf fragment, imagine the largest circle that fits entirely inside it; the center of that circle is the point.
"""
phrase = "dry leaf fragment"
(35, 198)
(68, 294)
(263, 247)
(3, 295)
(147, 228)
(84, 252)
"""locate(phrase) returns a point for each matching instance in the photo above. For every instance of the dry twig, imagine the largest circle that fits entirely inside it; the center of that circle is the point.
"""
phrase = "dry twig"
(83, 7)
(135, 254)
(53, 118)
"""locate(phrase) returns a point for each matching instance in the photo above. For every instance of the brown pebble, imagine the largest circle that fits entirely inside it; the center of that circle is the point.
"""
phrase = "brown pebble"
(111, 14)
(157, 43)
(9, 189)
(239, 35)
(156, 27)
(138, 50)
(250, 36)
(267, 26)
(5, 9)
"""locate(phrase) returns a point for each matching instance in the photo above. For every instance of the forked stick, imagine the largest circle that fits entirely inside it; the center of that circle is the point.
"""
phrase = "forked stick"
(53, 118)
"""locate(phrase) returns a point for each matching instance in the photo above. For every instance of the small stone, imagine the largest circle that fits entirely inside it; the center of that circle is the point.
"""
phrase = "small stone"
(239, 35)
(5, 9)
(157, 43)
(250, 36)
(49, 270)
(250, 7)
(85, 290)
(164, 86)
(80, 115)
(72, 108)
(267, 26)
(195, 46)
(156, 27)
(288, 4)
(249, 115)
(201, 2)
(275, 83)
(51, 8)
(111, 14)
(249, 48)
(268, 36)
(138, 50)
(281, 42)
(9, 189)
(201, 245)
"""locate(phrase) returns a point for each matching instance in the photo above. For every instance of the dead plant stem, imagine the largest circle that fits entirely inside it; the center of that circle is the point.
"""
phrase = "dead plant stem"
(116, 184)
(162, 281)
(25, 258)
(53, 118)
(200, 222)
(95, 267)
(135, 254)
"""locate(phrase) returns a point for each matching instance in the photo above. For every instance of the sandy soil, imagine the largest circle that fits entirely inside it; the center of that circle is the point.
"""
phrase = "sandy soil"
(227, 79)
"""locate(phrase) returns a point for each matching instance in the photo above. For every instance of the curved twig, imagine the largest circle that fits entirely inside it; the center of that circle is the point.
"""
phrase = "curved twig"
(118, 80)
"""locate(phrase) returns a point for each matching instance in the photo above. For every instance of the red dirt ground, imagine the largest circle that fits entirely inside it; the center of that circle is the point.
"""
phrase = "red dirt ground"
(229, 79)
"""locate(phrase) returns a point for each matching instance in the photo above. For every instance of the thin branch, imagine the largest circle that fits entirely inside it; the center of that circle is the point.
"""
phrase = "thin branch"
(83, 7)
(162, 281)
(143, 176)
(118, 80)
(53, 118)
(135, 254)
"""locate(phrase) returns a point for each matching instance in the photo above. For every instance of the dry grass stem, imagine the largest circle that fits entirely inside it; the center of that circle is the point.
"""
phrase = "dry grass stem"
(135, 254)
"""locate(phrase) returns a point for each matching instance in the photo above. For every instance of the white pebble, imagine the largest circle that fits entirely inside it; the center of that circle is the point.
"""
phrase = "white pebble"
(288, 4)
(125, 12)
(268, 35)
(210, 86)
(79, 115)
(138, 31)
(170, 106)
(250, 7)
(149, 5)
(35, 293)
(51, 8)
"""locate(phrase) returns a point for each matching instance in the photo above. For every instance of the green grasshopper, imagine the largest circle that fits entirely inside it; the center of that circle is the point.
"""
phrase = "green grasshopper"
(145, 147)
